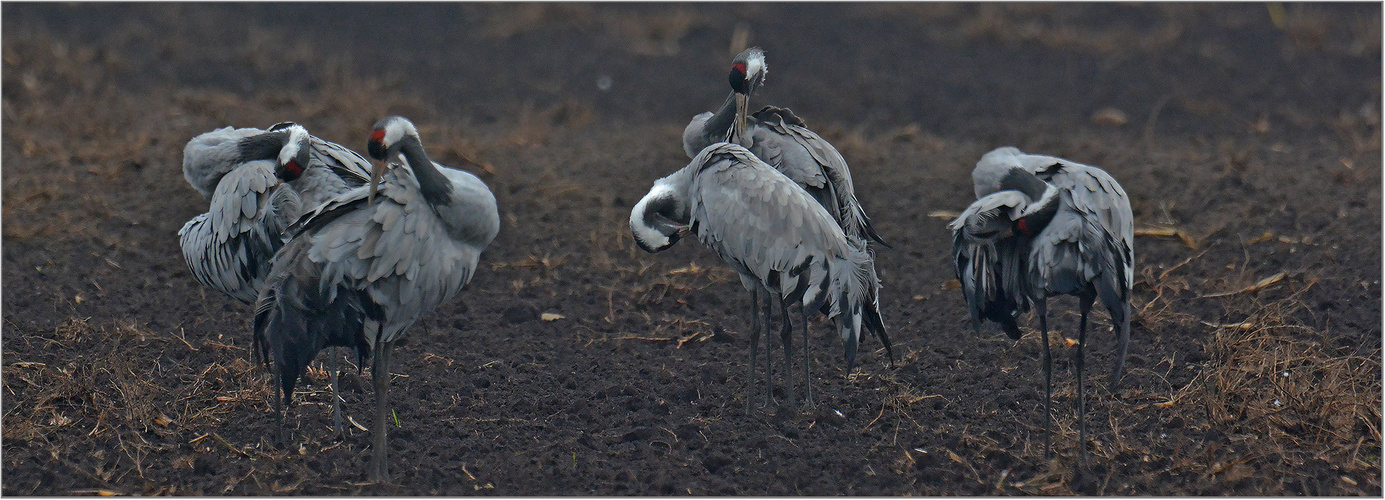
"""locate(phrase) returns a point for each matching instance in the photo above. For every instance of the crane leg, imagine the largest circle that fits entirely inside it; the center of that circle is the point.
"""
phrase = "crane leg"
(336, 396)
(1084, 304)
(807, 379)
(1042, 310)
(282, 435)
(786, 335)
(754, 346)
(381, 375)
(1122, 324)
(769, 374)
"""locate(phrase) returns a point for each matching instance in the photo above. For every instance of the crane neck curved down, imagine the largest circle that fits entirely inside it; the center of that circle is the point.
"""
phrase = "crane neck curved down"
(436, 188)
(1036, 216)
(264, 146)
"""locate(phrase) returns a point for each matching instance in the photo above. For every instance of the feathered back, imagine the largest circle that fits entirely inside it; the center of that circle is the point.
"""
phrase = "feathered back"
(768, 229)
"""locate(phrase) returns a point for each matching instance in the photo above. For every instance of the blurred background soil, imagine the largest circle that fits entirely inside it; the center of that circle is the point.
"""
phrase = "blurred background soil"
(1247, 135)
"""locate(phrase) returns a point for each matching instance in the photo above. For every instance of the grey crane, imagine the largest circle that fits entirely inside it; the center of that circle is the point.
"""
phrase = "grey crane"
(779, 240)
(1045, 226)
(782, 140)
(229, 248)
(361, 268)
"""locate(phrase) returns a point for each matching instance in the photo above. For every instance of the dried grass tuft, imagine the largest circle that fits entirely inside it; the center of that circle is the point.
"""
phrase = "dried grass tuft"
(1286, 397)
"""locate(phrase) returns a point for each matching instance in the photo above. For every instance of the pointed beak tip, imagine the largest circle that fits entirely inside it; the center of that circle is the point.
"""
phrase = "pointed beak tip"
(376, 172)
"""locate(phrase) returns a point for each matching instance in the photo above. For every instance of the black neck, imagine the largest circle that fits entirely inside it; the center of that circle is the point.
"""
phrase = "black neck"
(1024, 181)
(264, 146)
(718, 127)
(437, 189)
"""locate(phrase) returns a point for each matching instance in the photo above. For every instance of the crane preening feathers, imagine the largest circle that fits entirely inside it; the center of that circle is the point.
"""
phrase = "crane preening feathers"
(1044, 226)
(781, 242)
(365, 266)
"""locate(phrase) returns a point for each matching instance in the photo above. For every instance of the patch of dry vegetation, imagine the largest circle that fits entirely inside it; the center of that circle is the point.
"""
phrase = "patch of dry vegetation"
(108, 415)
(1285, 395)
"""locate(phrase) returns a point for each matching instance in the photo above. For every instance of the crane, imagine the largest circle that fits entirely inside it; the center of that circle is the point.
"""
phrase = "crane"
(781, 242)
(781, 139)
(1042, 227)
(361, 268)
(229, 248)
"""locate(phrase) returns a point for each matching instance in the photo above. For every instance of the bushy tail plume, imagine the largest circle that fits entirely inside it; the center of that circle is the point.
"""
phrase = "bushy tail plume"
(856, 302)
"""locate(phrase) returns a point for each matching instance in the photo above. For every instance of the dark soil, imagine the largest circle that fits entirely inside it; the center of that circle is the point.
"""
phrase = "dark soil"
(1252, 131)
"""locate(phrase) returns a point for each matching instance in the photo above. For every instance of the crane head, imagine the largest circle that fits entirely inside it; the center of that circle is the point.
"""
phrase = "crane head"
(748, 71)
(294, 156)
(386, 137)
(659, 220)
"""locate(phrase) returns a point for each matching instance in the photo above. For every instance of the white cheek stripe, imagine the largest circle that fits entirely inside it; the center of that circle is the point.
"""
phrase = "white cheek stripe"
(650, 236)
(755, 66)
(290, 150)
(395, 130)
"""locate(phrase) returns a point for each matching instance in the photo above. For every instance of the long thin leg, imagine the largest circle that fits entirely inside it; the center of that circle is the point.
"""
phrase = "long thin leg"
(381, 375)
(277, 379)
(769, 374)
(336, 397)
(1084, 304)
(1120, 319)
(754, 345)
(786, 335)
(807, 379)
(1042, 310)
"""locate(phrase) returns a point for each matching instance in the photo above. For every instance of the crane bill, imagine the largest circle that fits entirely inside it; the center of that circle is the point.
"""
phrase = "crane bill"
(742, 109)
(377, 171)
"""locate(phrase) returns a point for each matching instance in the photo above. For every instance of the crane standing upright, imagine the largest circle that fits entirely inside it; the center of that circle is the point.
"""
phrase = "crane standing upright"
(782, 140)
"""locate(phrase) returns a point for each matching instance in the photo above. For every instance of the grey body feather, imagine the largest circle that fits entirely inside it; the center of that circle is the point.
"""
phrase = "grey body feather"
(364, 267)
(780, 139)
(392, 260)
(229, 247)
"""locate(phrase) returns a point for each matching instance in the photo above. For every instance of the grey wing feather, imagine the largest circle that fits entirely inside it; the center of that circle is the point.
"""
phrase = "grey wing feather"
(353, 168)
(332, 170)
(801, 154)
(209, 156)
(1075, 249)
(989, 213)
(230, 248)
(990, 263)
(392, 250)
(1094, 192)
